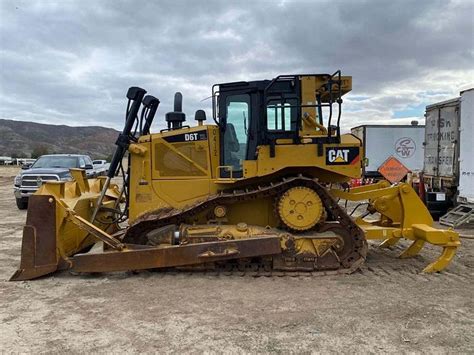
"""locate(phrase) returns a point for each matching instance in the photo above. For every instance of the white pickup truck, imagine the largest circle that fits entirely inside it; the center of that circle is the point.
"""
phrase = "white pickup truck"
(101, 167)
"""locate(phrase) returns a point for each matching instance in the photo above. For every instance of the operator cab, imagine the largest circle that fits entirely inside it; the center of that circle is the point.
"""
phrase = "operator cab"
(286, 110)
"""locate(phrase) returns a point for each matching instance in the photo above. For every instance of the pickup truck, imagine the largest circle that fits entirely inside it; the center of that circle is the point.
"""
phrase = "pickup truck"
(54, 167)
(101, 167)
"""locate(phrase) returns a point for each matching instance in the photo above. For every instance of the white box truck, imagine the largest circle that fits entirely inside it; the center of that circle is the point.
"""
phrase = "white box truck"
(404, 142)
(448, 170)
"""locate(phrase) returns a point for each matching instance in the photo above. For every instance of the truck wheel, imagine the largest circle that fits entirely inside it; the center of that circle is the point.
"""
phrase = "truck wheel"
(436, 215)
(22, 203)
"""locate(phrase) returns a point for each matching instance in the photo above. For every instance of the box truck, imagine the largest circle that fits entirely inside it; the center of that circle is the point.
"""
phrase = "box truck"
(448, 171)
(404, 142)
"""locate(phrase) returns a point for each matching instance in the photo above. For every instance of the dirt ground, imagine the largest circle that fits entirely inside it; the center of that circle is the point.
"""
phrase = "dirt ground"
(387, 307)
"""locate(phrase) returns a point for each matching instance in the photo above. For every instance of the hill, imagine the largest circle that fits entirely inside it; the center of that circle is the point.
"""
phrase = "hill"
(20, 139)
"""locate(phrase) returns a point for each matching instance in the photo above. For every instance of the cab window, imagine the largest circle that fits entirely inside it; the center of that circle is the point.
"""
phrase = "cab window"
(281, 116)
(236, 130)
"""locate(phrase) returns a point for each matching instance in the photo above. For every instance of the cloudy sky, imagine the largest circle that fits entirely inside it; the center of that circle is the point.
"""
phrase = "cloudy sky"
(71, 62)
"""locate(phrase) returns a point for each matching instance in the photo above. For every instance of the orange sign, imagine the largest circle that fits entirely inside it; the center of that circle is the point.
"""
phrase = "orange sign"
(393, 170)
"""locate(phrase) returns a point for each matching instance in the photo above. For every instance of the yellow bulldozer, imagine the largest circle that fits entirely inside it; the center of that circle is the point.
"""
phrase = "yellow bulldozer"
(259, 189)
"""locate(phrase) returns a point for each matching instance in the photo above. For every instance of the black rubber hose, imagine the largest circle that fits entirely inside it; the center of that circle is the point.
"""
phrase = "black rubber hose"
(136, 95)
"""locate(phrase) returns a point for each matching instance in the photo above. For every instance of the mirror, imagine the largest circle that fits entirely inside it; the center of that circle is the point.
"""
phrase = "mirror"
(89, 166)
(25, 166)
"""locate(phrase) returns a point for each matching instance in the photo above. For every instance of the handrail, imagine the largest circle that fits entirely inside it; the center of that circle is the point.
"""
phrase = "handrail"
(228, 168)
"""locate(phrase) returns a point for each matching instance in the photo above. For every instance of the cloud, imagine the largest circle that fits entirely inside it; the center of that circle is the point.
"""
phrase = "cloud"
(71, 62)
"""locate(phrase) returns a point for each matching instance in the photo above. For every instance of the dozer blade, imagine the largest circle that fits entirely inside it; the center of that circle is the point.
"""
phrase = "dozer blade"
(52, 233)
(38, 247)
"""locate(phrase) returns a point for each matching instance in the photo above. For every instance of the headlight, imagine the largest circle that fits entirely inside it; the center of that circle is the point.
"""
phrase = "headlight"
(17, 180)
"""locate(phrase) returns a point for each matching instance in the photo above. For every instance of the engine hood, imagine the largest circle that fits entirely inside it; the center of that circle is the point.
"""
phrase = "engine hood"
(40, 171)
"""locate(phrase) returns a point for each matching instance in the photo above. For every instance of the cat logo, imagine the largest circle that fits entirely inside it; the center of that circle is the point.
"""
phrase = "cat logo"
(342, 156)
(338, 155)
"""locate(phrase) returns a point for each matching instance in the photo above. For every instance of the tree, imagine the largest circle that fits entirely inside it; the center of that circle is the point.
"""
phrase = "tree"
(17, 155)
(38, 151)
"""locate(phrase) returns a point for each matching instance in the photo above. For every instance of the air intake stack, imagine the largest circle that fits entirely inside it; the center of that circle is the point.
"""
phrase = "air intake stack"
(200, 116)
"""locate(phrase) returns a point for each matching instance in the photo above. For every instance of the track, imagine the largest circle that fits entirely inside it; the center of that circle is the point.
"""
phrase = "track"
(349, 260)
(382, 266)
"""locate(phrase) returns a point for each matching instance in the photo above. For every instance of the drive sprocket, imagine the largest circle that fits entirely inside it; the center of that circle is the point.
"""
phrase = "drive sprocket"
(300, 208)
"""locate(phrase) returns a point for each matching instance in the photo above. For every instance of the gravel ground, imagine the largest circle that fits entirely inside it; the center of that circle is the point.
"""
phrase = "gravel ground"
(386, 307)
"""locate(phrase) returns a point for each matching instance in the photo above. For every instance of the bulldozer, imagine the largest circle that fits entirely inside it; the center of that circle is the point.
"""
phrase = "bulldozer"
(260, 189)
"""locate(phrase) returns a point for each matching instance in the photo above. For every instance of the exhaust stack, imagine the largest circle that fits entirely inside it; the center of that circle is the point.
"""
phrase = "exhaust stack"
(176, 118)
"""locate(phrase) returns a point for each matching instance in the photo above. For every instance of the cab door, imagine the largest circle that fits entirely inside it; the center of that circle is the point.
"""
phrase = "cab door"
(238, 115)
